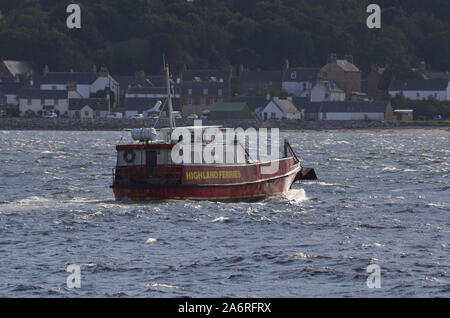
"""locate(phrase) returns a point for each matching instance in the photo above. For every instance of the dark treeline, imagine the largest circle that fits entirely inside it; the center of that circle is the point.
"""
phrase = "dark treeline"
(134, 34)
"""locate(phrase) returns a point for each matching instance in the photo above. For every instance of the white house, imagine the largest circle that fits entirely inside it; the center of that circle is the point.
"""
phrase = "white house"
(88, 108)
(349, 110)
(84, 83)
(281, 109)
(35, 102)
(299, 81)
(421, 89)
(327, 91)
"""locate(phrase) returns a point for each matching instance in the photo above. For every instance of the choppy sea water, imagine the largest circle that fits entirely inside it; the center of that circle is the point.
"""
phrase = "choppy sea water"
(382, 198)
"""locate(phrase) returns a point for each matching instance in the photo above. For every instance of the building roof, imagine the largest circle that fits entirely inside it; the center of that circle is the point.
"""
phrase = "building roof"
(93, 103)
(147, 90)
(39, 94)
(261, 76)
(142, 104)
(10, 88)
(236, 111)
(301, 74)
(206, 75)
(80, 78)
(347, 66)
(7, 79)
(346, 107)
(299, 102)
(125, 81)
(228, 107)
(419, 85)
(286, 105)
(15, 68)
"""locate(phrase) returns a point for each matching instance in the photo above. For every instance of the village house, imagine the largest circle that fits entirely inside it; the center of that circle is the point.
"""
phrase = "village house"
(9, 91)
(197, 97)
(343, 72)
(421, 89)
(299, 81)
(201, 89)
(428, 75)
(348, 110)
(88, 108)
(259, 82)
(35, 102)
(281, 109)
(84, 83)
(327, 91)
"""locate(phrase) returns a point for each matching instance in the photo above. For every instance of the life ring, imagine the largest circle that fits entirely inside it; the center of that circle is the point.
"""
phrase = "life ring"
(129, 156)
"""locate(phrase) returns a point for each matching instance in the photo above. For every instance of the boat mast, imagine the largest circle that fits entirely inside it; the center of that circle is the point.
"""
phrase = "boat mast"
(169, 99)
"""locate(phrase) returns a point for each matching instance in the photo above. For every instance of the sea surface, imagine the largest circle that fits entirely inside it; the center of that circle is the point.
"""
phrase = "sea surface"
(381, 198)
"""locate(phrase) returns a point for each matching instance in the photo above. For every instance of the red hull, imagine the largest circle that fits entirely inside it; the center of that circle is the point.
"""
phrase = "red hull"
(249, 186)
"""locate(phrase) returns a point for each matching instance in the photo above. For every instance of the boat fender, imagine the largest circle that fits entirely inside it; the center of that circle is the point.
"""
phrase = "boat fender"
(129, 156)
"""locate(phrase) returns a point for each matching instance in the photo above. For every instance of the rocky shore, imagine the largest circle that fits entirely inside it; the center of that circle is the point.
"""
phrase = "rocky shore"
(120, 124)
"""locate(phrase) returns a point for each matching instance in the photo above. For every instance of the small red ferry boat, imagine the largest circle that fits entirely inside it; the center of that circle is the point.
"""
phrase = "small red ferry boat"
(145, 171)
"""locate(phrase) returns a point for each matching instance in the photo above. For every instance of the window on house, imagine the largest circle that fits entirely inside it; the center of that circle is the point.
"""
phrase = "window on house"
(42, 101)
(324, 116)
(86, 113)
(293, 75)
(202, 101)
(56, 102)
(97, 113)
(77, 114)
(29, 101)
(54, 87)
(418, 94)
(190, 91)
(189, 100)
(205, 91)
(304, 86)
(219, 92)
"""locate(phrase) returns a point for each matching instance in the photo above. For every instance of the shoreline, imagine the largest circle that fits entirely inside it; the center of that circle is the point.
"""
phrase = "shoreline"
(102, 124)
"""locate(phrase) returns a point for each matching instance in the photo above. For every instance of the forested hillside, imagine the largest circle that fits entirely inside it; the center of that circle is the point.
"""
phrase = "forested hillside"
(133, 34)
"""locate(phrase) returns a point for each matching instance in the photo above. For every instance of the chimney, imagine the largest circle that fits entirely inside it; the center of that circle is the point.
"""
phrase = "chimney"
(332, 58)
(349, 58)
(103, 72)
(45, 71)
(286, 65)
